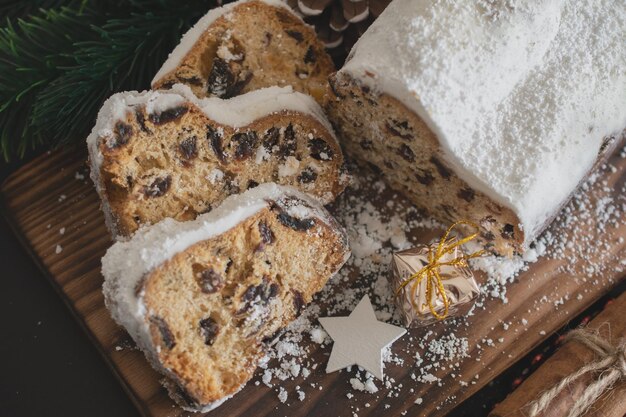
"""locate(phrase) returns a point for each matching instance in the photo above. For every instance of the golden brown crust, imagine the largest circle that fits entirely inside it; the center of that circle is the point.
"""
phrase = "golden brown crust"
(255, 45)
(185, 165)
(214, 307)
(387, 137)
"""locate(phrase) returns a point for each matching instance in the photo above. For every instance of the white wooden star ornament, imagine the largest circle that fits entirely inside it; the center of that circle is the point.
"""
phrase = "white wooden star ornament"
(359, 339)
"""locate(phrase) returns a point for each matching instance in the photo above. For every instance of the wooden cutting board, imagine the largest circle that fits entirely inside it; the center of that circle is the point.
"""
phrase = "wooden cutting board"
(54, 210)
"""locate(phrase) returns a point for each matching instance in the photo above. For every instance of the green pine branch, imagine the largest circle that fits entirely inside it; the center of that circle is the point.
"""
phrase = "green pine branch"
(59, 65)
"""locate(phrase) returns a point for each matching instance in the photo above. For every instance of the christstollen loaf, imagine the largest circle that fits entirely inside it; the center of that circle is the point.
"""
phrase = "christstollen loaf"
(203, 298)
(491, 112)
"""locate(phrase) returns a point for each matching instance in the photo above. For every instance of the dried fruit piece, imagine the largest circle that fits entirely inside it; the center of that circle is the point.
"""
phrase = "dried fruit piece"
(220, 78)
(307, 176)
(300, 225)
(158, 187)
(399, 129)
(424, 176)
(288, 147)
(261, 294)
(245, 144)
(270, 139)
(209, 281)
(215, 140)
(298, 36)
(443, 171)
(168, 115)
(310, 57)
(209, 330)
(167, 337)
(123, 133)
(267, 236)
(188, 148)
(298, 301)
(466, 194)
(508, 231)
(141, 120)
(320, 150)
(406, 152)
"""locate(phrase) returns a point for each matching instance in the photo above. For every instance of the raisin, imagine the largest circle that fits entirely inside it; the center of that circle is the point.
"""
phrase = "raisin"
(123, 133)
(395, 129)
(270, 139)
(424, 177)
(375, 168)
(246, 144)
(209, 281)
(158, 187)
(209, 330)
(307, 176)
(389, 164)
(168, 115)
(141, 120)
(320, 150)
(406, 152)
(220, 78)
(448, 210)
(488, 235)
(288, 147)
(166, 334)
(261, 293)
(188, 148)
(508, 231)
(443, 171)
(298, 301)
(466, 194)
(268, 38)
(215, 140)
(252, 184)
(267, 236)
(300, 225)
(231, 185)
(193, 80)
(298, 36)
(237, 87)
(366, 144)
(310, 56)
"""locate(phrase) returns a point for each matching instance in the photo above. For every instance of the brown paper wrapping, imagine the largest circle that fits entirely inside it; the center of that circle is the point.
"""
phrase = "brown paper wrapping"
(611, 323)
(458, 282)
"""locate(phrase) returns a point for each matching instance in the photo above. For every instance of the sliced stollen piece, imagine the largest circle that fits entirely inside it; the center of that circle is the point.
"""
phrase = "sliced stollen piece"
(162, 154)
(244, 46)
(483, 111)
(203, 299)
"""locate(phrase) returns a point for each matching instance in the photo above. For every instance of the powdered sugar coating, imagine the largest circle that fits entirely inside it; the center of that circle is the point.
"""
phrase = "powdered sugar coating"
(519, 93)
(193, 34)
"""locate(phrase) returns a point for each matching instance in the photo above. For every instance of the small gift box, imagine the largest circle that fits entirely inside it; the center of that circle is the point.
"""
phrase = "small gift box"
(434, 282)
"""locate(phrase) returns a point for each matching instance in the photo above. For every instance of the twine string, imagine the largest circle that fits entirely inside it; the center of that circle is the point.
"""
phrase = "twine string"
(430, 272)
(611, 364)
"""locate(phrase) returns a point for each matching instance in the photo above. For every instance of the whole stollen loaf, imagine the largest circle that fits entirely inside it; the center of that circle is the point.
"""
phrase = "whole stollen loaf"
(492, 111)
(204, 299)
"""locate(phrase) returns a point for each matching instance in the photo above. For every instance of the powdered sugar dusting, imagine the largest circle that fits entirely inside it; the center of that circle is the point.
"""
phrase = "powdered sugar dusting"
(520, 93)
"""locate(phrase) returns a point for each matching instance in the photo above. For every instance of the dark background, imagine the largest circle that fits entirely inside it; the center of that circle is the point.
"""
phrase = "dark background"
(48, 367)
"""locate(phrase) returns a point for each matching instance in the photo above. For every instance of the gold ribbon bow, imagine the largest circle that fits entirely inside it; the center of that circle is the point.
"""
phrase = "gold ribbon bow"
(430, 272)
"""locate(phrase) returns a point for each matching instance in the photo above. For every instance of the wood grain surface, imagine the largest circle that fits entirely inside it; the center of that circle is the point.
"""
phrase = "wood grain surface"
(53, 194)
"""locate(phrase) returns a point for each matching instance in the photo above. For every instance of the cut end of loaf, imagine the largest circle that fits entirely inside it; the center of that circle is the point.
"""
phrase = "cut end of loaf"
(234, 54)
(385, 136)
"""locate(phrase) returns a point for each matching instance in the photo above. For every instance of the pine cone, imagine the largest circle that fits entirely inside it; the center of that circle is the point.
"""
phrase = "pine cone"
(339, 23)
